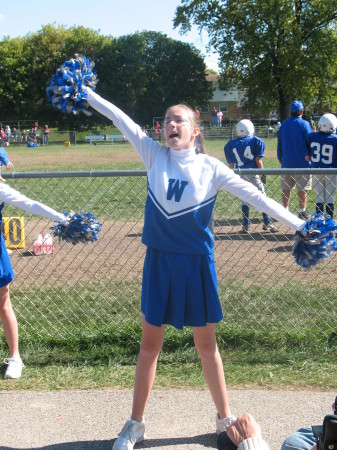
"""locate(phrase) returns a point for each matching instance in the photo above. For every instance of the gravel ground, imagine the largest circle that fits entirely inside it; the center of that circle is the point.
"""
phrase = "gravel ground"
(175, 419)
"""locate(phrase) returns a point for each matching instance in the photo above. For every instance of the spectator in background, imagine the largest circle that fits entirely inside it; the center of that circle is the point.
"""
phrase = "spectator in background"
(2, 135)
(24, 136)
(277, 127)
(157, 127)
(197, 112)
(36, 127)
(313, 124)
(219, 116)
(32, 135)
(214, 113)
(14, 134)
(7, 132)
(46, 133)
(291, 150)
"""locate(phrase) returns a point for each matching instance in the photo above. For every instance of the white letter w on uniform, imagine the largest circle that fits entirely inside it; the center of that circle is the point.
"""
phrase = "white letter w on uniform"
(176, 189)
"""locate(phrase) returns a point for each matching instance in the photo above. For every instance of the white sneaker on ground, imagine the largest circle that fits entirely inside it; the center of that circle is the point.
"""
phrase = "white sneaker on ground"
(131, 433)
(222, 424)
(14, 369)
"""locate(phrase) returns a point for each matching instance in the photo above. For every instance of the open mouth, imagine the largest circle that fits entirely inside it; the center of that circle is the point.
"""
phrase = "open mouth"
(173, 135)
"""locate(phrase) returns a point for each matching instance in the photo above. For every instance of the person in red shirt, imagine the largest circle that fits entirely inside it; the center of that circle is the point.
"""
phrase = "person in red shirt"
(157, 127)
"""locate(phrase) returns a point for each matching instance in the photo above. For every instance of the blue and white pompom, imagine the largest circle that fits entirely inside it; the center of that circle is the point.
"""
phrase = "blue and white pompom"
(65, 87)
(79, 228)
(315, 241)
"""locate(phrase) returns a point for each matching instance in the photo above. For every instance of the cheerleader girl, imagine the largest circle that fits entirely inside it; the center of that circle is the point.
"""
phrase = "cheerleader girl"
(179, 279)
(7, 315)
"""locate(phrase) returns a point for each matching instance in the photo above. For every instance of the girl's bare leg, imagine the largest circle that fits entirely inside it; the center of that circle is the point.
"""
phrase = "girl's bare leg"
(9, 322)
(151, 344)
(205, 342)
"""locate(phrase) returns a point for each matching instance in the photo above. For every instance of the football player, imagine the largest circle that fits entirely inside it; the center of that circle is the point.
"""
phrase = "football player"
(322, 152)
(246, 152)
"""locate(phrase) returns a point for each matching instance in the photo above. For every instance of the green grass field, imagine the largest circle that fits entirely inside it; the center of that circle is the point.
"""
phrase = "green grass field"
(119, 156)
(271, 356)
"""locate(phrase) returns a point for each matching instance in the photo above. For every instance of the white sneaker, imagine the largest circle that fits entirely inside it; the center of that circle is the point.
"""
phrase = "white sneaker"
(131, 433)
(14, 368)
(222, 424)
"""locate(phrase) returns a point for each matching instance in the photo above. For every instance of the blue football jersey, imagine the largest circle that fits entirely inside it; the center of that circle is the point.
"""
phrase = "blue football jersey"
(242, 151)
(322, 148)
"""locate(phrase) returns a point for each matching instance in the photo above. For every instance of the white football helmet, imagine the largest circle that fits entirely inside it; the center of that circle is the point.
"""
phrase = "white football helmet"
(245, 128)
(327, 123)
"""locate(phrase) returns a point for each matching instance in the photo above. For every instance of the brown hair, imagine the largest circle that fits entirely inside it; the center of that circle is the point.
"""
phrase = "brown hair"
(195, 123)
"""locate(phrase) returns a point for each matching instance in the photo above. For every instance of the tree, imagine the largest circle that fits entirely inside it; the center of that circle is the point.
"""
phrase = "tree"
(49, 49)
(145, 73)
(27, 64)
(277, 50)
(14, 84)
(142, 73)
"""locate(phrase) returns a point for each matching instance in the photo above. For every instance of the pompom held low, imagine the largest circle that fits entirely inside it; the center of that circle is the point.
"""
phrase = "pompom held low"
(315, 241)
(65, 90)
(80, 227)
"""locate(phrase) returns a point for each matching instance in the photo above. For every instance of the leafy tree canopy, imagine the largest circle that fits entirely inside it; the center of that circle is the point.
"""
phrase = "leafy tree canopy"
(277, 50)
(143, 73)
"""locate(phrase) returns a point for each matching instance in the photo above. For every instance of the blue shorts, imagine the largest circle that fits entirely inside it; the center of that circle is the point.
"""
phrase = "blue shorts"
(6, 270)
(179, 290)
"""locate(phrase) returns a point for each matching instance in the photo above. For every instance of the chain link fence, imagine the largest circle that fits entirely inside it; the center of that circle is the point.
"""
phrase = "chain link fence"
(90, 290)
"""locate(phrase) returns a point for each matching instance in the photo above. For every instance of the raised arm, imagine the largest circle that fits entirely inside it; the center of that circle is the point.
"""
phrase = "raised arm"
(143, 144)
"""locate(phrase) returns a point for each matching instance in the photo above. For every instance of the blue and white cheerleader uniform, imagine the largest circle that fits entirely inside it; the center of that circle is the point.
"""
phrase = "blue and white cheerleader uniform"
(179, 279)
(15, 198)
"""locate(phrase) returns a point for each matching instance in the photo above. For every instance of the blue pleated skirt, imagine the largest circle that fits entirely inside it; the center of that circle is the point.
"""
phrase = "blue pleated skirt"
(6, 270)
(179, 290)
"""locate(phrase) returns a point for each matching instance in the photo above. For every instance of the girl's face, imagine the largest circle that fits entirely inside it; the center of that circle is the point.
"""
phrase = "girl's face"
(180, 133)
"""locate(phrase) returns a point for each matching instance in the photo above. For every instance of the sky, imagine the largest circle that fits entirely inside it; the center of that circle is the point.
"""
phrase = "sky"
(108, 17)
